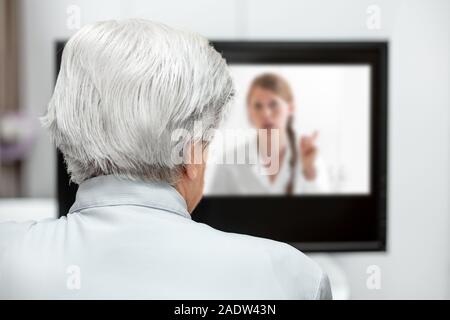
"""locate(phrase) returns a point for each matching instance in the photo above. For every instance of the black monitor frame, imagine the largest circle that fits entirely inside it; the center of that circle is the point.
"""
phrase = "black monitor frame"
(333, 222)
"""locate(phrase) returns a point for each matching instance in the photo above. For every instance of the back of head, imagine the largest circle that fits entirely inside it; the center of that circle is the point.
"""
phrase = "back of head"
(123, 88)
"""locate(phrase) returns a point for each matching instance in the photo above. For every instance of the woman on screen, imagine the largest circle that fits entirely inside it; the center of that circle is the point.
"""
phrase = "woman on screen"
(270, 106)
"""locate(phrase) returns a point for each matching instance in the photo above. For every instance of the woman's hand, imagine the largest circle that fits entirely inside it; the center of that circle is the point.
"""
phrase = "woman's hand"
(308, 154)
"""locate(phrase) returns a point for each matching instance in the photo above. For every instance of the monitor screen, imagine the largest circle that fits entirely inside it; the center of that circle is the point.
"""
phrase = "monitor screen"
(326, 106)
(301, 154)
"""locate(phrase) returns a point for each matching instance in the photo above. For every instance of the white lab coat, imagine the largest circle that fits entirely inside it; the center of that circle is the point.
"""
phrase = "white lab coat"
(249, 178)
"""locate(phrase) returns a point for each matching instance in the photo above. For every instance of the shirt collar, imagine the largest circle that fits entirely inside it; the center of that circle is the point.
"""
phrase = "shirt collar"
(112, 190)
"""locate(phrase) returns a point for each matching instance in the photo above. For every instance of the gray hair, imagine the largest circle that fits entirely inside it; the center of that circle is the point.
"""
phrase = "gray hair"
(123, 88)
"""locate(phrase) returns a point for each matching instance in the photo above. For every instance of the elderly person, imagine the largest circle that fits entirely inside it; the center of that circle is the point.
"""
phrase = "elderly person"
(123, 89)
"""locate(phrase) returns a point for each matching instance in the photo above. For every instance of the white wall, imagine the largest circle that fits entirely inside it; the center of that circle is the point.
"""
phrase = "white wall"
(417, 263)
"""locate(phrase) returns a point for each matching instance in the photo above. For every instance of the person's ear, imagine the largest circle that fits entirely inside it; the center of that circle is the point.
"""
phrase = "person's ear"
(195, 159)
(191, 171)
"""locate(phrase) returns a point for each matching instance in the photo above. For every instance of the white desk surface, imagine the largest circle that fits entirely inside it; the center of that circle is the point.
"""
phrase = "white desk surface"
(23, 209)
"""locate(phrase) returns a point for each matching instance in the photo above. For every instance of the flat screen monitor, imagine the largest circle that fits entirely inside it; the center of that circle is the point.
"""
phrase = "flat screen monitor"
(322, 185)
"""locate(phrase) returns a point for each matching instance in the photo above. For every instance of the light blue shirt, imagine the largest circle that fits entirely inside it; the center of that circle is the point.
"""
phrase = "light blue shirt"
(126, 239)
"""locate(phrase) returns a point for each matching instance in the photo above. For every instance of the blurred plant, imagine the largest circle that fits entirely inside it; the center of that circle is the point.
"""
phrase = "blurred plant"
(16, 136)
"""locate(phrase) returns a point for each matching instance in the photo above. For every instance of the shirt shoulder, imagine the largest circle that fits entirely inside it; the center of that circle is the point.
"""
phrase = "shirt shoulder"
(10, 233)
(299, 275)
(295, 274)
(11, 230)
(13, 233)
